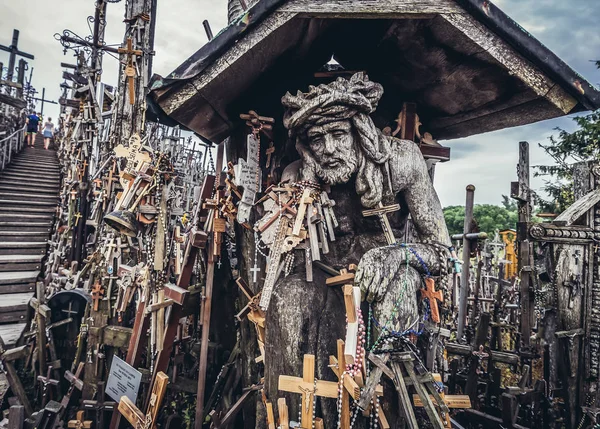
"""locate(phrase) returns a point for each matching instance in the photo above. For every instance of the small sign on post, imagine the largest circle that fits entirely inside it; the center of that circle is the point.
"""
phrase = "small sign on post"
(123, 380)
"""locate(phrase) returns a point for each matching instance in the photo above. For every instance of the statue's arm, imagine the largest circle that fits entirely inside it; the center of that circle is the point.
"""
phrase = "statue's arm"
(413, 181)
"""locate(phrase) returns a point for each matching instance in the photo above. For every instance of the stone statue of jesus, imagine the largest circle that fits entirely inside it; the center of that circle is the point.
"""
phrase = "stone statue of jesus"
(340, 147)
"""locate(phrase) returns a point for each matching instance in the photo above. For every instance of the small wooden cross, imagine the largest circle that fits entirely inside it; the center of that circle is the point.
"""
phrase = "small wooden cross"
(270, 150)
(254, 314)
(284, 207)
(305, 201)
(433, 296)
(77, 216)
(129, 68)
(97, 292)
(80, 423)
(75, 383)
(135, 416)
(46, 381)
(100, 406)
(308, 387)
(381, 211)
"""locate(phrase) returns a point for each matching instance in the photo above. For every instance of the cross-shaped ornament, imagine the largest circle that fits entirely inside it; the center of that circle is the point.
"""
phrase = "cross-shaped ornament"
(129, 68)
(100, 406)
(80, 423)
(45, 382)
(255, 270)
(381, 211)
(77, 216)
(135, 416)
(134, 154)
(309, 388)
(75, 383)
(97, 292)
(433, 296)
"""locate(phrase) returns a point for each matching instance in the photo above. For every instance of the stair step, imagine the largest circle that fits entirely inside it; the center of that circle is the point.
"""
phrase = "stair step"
(20, 263)
(5, 259)
(17, 277)
(23, 218)
(17, 185)
(28, 202)
(23, 248)
(12, 169)
(33, 210)
(15, 196)
(11, 333)
(23, 235)
(29, 179)
(28, 191)
(31, 173)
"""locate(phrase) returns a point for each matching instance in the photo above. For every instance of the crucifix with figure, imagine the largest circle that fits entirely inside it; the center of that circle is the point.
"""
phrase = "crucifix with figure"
(309, 387)
(130, 70)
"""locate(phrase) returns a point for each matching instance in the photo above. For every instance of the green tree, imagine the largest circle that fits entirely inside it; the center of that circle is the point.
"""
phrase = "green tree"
(489, 217)
(566, 149)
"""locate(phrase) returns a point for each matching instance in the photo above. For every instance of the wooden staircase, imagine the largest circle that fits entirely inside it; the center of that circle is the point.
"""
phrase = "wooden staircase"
(29, 188)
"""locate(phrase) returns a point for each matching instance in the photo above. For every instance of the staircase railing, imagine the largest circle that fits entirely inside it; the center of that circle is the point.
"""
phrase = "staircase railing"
(11, 145)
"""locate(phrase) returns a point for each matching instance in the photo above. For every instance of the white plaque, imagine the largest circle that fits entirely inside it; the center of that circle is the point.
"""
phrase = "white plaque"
(123, 380)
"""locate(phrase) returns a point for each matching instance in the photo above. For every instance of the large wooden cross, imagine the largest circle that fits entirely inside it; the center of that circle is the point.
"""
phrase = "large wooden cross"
(7, 357)
(14, 51)
(307, 386)
(135, 416)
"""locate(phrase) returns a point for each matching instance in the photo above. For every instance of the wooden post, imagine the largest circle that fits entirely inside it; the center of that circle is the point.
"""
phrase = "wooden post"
(521, 192)
(464, 277)
(207, 302)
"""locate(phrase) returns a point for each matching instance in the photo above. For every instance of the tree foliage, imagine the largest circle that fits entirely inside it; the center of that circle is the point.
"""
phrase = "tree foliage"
(566, 149)
(489, 217)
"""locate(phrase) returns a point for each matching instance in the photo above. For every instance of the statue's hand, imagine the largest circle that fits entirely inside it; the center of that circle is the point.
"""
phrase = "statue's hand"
(375, 270)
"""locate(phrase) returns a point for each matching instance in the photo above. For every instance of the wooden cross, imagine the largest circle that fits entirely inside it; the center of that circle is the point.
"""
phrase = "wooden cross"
(129, 68)
(433, 296)
(451, 401)
(7, 357)
(46, 381)
(339, 366)
(100, 406)
(270, 150)
(135, 416)
(80, 423)
(134, 154)
(307, 387)
(305, 201)
(254, 314)
(381, 211)
(75, 383)
(284, 207)
(97, 292)
(77, 216)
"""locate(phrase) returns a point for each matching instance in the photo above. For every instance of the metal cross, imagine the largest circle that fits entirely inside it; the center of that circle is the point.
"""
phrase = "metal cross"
(255, 270)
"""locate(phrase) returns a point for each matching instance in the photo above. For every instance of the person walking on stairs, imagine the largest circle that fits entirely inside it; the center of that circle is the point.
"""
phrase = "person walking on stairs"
(32, 128)
(48, 132)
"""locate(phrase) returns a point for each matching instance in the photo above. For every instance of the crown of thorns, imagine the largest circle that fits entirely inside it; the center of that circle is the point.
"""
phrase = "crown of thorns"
(336, 101)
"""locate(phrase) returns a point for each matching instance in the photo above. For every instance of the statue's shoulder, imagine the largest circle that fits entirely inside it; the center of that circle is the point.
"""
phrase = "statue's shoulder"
(402, 148)
(291, 173)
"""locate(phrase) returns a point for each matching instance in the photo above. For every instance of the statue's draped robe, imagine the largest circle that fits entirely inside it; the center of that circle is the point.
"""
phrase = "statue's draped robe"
(309, 317)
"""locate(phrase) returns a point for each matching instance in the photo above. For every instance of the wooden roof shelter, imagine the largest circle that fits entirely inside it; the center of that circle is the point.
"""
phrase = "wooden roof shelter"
(469, 67)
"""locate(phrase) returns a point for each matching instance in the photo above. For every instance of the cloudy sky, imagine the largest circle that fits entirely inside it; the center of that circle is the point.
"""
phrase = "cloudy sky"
(488, 161)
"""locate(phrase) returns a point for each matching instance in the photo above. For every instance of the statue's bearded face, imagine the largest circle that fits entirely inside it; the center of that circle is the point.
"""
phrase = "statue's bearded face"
(333, 147)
